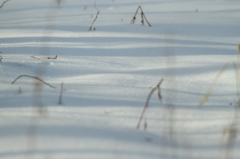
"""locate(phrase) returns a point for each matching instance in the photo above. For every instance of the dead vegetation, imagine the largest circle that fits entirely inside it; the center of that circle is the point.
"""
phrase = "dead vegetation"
(43, 58)
(91, 27)
(209, 92)
(4, 3)
(34, 77)
(157, 87)
(229, 132)
(142, 16)
(236, 66)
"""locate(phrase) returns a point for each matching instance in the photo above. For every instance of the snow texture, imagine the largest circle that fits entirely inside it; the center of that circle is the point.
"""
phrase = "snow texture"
(108, 73)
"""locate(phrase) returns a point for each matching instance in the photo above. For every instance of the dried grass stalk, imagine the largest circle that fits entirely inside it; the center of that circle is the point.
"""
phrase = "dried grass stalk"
(3, 3)
(37, 78)
(147, 101)
(208, 94)
(90, 28)
(142, 16)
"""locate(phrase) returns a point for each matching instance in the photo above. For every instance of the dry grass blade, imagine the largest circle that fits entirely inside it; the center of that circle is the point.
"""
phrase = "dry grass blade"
(147, 102)
(237, 75)
(33, 78)
(208, 94)
(3, 3)
(90, 28)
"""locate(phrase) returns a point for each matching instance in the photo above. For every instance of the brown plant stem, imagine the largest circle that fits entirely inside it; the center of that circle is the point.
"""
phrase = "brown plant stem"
(134, 17)
(208, 94)
(147, 102)
(90, 28)
(34, 77)
(3, 3)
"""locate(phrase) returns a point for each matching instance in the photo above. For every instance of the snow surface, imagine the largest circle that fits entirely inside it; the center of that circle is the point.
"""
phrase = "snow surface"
(108, 74)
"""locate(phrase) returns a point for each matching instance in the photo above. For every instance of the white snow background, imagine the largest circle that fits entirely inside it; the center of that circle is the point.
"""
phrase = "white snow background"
(108, 73)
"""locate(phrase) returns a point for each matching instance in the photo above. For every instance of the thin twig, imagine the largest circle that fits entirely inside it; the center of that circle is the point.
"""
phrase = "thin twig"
(90, 28)
(134, 17)
(33, 78)
(3, 3)
(147, 102)
(35, 57)
(95, 6)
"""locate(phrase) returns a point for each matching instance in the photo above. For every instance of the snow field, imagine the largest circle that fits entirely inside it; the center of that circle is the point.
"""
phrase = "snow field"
(108, 74)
